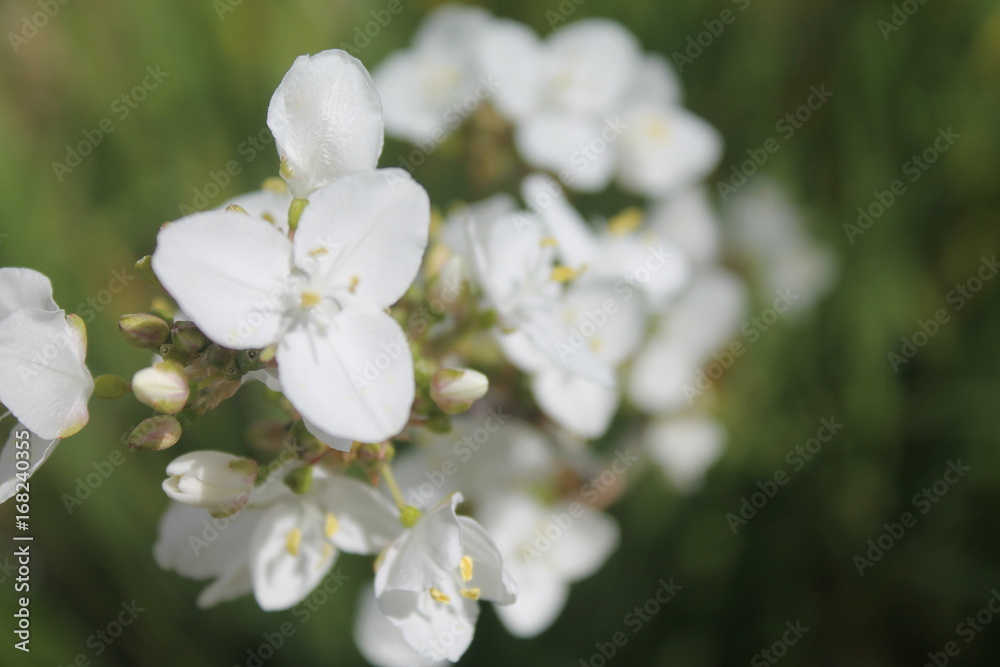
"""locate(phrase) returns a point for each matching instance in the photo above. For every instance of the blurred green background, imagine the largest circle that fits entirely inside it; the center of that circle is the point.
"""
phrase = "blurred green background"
(791, 562)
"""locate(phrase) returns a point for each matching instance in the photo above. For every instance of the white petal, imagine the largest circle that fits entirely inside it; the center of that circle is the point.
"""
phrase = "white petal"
(332, 441)
(285, 569)
(539, 604)
(265, 205)
(570, 146)
(663, 374)
(488, 573)
(326, 117)
(196, 545)
(685, 447)
(24, 288)
(37, 450)
(233, 583)
(379, 640)
(607, 324)
(579, 405)
(576, 241)
(552, 336)
(509, 53)
(367, 231)
(43, 378)
(269, 376)
(436, 630)
(594, 62)
(415, 89)
(229, 272)
(366, 521)
(666, 149)
(688, 222)
(424, 555)
(583, 548)
(656, 83)
(352, 374)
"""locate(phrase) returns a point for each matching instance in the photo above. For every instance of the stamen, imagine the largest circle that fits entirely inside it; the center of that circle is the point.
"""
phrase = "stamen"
(562, 274)
(293, 542)
(439, 596)
(625, 222)
(465, 568)
(470, 593)
(310, 299)
(354, 284)
(331, 525)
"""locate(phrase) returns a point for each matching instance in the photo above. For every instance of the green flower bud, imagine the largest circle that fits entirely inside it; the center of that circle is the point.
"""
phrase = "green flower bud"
(143, 330)
(454, 390)
(188, 338)
(110, 387)
(300, 480)
(156, 434)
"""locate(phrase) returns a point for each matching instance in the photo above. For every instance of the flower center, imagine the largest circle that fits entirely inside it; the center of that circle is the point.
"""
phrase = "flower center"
(309, 299)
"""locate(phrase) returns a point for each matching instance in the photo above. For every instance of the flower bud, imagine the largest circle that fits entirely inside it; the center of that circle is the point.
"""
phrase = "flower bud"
(155, 434)
(188, 338)
(213, 480)
(454, 390)
(144, 267)
(143, 330)
(110, 387)
(163, 387)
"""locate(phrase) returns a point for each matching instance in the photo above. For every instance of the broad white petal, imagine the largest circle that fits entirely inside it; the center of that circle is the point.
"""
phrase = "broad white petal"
(594, 63)
(576, 243)
(688, 222)
(366, 521)
(43, 378)
(37, 450)
(350, 374)
(233, 583)
(664, 374)
(579, 405)
(266, 205)
(326, 117)
(379, 640)
(415, 89)
(424, 555)
(197, 545)
(438, 630)
(578, 149)
(542, 599)
(553, 337)
(289, 555)
(583, 548)
(24, 288)
(366, 232)
(685, 447)
(665, 150)
(488, 573)
(656, 83)
(509, 53)
(229, 273)
(328, 439)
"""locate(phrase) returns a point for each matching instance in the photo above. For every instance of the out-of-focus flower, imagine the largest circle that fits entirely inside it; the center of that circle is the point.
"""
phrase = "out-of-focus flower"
(380, 641)
(343, 362)
(684, 447)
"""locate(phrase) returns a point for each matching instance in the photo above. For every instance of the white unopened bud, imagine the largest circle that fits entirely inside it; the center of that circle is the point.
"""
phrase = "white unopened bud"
(454, 390)
(162, 386)
(214, 480)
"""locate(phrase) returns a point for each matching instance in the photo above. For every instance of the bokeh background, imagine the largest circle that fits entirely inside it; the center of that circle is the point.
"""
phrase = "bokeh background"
(794, 561)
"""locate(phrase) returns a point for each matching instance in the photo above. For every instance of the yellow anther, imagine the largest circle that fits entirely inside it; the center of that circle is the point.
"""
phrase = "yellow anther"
(439, 596)
(596, 344)
(331, 525)
(316, 252)
(625, 222)
(465, 568)
(562, 274)
(285, 169)
(354, 284)
(471, 593)
(269, 218)
(549, 242)
(236, 208)
(310, 299)
(293, 542)
(275, 185)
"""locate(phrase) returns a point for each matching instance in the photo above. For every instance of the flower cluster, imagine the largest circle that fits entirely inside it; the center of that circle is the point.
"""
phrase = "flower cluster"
(418, 360)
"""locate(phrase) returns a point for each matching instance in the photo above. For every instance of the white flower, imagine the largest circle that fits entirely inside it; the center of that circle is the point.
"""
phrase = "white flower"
(44, 381)
(424, 88)
(685, 447)
(546, 549)
(210, 479)
(688, 222)
(326, 118)
(163, 387)
(343, 362)
(281, 545)
(429, 581)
